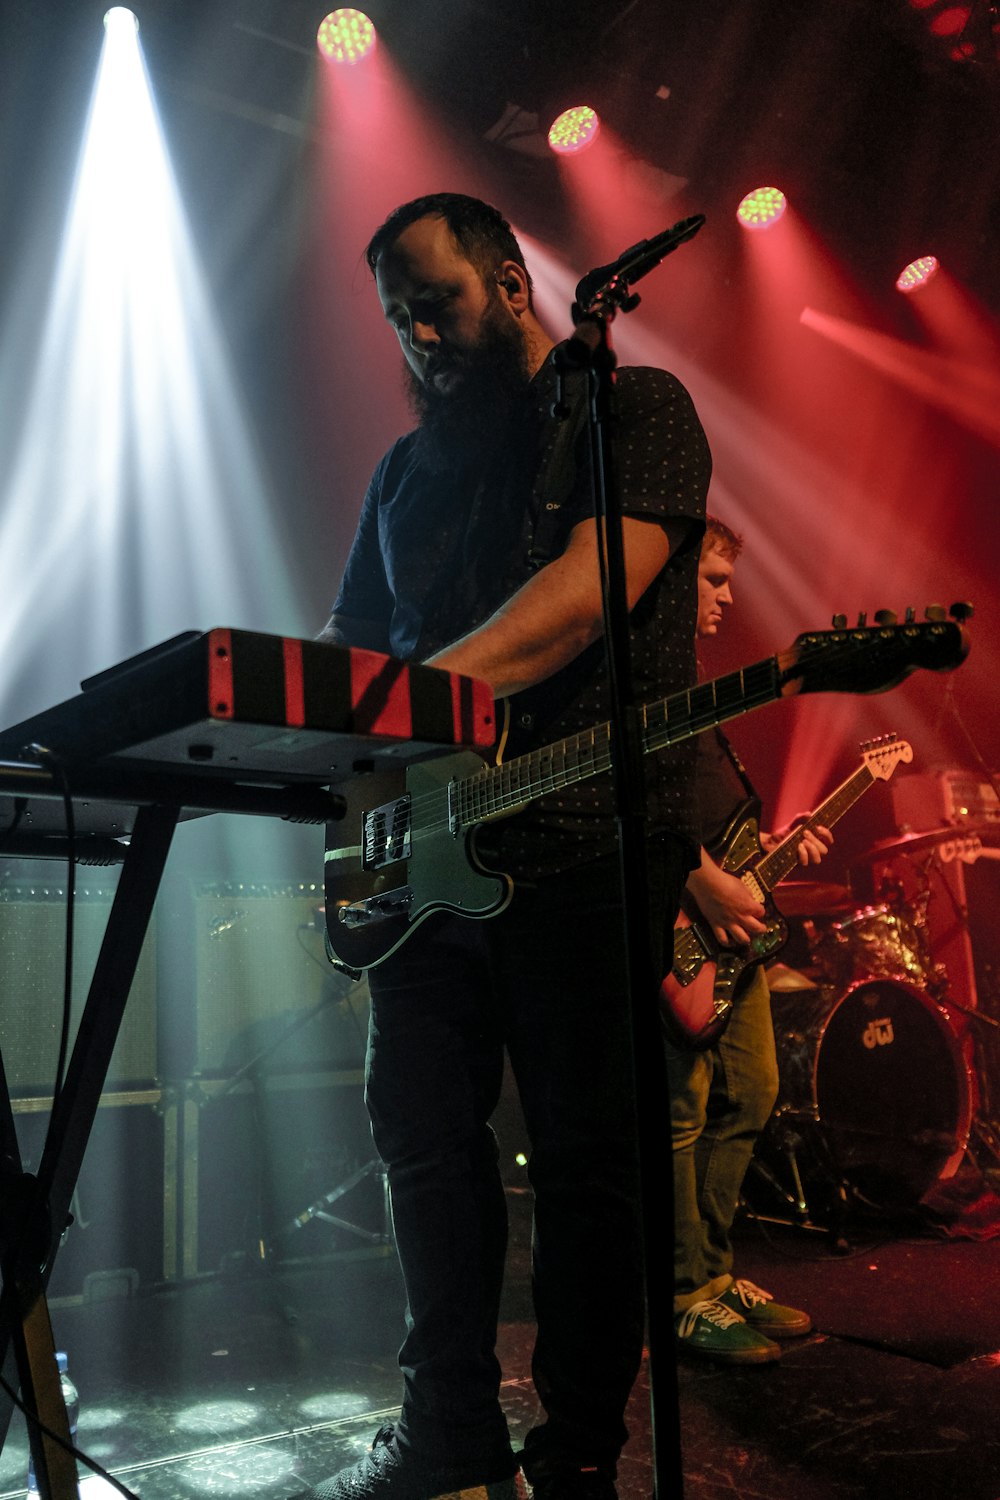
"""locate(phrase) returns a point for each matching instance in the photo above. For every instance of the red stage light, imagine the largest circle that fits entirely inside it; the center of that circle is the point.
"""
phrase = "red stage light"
(574, 129)
(950, 22)
(762, 208)
(345, 36)
(917, 273)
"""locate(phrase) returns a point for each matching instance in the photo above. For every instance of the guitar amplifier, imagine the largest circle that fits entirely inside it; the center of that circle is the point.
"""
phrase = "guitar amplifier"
(942, 799)
(32, 948)
(249, 984)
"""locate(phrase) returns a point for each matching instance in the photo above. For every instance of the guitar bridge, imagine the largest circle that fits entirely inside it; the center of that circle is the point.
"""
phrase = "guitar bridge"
(385, 834)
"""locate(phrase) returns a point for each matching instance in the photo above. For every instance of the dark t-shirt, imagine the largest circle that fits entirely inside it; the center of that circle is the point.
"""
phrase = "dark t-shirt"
(722, 783)
(435, 555)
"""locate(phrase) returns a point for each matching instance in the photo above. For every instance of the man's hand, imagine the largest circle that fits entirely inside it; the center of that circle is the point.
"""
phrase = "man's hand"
(725, 903)
(815, 842)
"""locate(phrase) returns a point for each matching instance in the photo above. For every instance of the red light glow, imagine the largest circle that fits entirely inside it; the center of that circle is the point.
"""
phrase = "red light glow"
(762, 208)
(917, 273)
(950, 22)
(345, 36)
(574, 130)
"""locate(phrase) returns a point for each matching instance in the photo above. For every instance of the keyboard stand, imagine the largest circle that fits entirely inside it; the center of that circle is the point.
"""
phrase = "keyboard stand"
(34, 1210)
(37, 1208)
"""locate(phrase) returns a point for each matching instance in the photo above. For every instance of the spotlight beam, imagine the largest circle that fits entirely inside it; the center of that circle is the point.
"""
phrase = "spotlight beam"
(133, 503)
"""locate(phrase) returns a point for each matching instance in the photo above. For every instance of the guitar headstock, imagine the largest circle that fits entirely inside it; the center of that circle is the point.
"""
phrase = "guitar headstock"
(884, 754)
(874, 658)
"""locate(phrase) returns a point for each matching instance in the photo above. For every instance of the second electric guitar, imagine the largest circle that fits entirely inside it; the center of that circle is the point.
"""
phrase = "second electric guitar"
(698, 994)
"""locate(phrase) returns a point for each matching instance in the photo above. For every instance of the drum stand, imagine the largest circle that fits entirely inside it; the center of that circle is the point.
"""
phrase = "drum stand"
(793, 1207)
(985, 1130)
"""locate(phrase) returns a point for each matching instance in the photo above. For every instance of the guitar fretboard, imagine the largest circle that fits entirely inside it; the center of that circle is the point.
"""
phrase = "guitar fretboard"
(781, 861)
(501, 789)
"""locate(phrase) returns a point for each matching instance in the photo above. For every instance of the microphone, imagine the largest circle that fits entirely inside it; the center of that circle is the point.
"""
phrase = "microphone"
(637, 260)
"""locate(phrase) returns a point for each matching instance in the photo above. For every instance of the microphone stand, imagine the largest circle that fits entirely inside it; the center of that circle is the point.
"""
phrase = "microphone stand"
(591, 349)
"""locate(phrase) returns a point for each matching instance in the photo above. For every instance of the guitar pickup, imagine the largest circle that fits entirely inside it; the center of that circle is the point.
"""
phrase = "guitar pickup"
(376, 908)
(385, 834)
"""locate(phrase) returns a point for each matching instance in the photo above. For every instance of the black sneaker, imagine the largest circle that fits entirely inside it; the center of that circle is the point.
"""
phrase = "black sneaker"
(388, 1472)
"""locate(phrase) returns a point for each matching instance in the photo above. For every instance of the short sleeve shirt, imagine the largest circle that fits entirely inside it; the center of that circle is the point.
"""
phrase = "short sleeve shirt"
(436, 555)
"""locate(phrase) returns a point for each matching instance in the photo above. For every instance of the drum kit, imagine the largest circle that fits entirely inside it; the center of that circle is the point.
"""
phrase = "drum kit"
(881, 1082)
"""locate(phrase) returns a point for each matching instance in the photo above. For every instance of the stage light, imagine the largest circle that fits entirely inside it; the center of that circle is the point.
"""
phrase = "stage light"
(917, 274)
(574, 130)
(120, 19)
(762, 208)
(154, 442)
(950, 22)
(345, 36)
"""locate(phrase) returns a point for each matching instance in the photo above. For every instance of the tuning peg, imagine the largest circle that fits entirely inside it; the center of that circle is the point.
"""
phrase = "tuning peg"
(934, 612)
(839, 622)
(862, 618)
(911, 614)
(885, 617)
(962, 611)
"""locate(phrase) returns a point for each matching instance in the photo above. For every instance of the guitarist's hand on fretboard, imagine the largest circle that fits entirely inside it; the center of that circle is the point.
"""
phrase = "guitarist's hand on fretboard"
(814, 843)
(730, 909)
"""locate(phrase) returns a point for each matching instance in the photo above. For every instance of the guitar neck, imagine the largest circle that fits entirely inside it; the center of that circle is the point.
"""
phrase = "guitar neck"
(781, 861)
(502, 789)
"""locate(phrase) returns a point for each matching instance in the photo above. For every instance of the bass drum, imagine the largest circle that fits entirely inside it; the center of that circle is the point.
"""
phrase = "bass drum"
(879, 1083)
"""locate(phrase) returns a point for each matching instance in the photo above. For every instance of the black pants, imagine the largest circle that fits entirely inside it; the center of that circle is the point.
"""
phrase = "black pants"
(544, 979)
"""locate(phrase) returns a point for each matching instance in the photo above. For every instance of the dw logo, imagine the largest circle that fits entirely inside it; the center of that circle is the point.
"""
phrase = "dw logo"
(878, 1033)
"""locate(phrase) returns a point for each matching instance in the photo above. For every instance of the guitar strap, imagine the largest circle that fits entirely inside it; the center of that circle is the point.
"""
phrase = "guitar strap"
(737, 766)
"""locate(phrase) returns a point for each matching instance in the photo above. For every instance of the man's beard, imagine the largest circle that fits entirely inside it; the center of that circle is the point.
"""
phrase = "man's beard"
(462, 427)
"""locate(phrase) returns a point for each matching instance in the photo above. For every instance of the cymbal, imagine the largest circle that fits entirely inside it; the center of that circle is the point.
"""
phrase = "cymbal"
(916, 843)
(810, 898)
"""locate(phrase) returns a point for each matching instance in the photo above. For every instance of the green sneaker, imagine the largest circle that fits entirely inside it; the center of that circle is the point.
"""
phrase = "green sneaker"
(713, 1330)
(762, 1312)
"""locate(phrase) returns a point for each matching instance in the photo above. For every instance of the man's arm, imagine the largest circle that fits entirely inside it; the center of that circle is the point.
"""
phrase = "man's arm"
(558, 613)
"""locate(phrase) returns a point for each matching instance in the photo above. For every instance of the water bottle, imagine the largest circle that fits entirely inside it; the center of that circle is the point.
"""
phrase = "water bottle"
(72, 1399)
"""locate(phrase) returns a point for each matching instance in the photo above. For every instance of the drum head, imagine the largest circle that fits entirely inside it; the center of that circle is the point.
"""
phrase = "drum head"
(892, 1091)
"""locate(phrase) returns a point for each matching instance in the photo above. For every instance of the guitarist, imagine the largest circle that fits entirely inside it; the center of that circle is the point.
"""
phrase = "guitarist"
(721, 1098)
(476, 551)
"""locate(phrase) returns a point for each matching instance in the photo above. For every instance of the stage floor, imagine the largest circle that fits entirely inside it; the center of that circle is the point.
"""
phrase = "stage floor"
(258, 1384)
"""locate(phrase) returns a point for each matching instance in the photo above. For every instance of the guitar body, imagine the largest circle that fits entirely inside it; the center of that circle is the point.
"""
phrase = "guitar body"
(706, 979)
(396, 856)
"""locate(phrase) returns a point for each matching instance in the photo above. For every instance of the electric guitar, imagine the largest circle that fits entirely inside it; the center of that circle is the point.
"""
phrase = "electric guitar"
(706, 978)
(405, 845)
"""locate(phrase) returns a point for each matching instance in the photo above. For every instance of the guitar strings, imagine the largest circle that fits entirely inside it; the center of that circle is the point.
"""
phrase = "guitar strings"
(504, 788)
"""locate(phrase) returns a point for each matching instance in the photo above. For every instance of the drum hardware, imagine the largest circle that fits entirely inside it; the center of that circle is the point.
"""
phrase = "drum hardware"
(884, 941)
(924, 870)
(875, 1100)
(953, 839)
(985, 1136)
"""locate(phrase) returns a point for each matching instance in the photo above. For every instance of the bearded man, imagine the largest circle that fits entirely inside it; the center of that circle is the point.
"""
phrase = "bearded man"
(476, 551)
